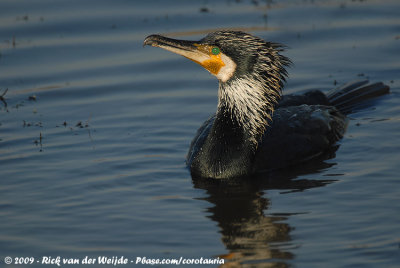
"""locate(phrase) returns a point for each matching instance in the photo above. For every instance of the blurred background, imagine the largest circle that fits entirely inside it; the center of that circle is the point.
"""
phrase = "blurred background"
(94, 130)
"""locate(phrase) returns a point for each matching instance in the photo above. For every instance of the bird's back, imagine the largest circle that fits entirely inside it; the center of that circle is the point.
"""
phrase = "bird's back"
(305, 126)
(297, 134)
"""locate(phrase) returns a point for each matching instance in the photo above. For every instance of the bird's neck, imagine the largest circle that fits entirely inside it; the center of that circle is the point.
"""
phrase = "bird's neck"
(250, 102)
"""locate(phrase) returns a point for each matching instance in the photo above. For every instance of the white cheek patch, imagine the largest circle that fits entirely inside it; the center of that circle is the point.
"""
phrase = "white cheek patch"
(226, 71)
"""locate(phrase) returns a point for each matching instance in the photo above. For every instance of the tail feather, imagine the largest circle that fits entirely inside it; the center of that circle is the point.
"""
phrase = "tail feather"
(351, 96)
(343, 89)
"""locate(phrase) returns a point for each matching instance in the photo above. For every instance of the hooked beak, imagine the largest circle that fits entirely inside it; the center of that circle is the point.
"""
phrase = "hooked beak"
(173, 45)
(195, 51)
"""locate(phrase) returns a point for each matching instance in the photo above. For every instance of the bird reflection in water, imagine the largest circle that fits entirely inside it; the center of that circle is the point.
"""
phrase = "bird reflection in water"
(252, 236)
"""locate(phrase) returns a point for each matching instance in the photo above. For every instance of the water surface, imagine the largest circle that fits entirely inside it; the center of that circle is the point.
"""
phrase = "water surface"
(95, 129)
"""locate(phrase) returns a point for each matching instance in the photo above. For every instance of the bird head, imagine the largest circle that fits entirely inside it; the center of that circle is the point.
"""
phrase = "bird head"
(228, 54)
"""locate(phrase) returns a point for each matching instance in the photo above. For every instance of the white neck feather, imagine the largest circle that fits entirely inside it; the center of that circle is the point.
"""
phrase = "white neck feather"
(246, 99)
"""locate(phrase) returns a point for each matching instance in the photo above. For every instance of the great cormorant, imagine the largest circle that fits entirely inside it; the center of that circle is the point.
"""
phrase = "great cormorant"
(254, 128)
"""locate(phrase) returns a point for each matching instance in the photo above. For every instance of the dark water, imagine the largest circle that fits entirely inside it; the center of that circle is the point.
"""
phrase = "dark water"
(96, 128)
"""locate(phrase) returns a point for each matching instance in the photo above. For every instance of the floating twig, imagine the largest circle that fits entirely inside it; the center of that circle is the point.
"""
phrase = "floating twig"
(39, 142)
(3, 99)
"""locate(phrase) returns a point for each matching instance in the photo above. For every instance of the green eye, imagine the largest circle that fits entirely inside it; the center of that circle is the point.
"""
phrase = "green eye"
(215, 50)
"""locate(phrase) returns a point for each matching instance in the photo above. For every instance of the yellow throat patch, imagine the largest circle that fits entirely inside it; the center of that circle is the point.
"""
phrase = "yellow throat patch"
(214, 62)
